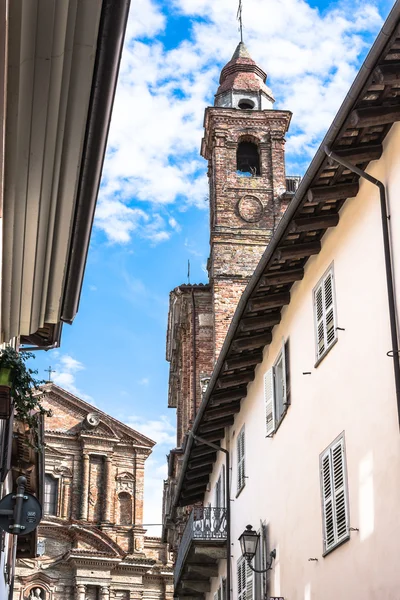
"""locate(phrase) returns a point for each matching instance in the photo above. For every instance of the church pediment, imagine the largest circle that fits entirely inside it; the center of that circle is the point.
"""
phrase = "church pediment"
(73, 416)
(77, 538)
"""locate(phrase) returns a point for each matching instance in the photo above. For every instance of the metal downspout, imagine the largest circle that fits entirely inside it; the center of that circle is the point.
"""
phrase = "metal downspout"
(394, 353)
(196, 438)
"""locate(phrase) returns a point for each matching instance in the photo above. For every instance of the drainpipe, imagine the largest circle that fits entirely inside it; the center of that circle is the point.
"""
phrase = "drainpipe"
(196, 438)
(194, 387)
(394, 353)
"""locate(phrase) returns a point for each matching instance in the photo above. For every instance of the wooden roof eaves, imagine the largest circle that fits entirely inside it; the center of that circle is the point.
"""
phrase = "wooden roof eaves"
(337, 128)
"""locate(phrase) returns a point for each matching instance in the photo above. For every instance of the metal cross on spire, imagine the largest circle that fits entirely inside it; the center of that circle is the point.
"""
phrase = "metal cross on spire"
(239, 18)
(49, 371)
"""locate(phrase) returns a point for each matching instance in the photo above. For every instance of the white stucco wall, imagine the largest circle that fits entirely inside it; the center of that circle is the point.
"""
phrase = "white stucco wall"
(351, 390)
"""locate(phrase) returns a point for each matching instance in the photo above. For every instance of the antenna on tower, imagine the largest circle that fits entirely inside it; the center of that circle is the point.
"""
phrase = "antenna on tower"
(188, 274)
(239, 18)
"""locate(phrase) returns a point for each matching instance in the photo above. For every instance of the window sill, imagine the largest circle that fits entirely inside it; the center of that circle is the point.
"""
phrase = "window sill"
(240, 491)
(279, 423)
(332, 548)
(321, 358)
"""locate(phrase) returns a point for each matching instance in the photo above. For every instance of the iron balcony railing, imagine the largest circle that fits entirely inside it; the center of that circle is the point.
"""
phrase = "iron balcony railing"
(204, 524)
(292, 183)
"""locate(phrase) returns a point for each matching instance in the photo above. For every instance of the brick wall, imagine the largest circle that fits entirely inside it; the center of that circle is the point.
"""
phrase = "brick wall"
(191, 351)
(244, 210)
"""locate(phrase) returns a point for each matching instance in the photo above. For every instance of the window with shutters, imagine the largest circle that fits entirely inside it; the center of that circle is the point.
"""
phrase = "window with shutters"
(245, 580)
(241, 472)
(50, 495)
(220, 594)
(277, 390)
(335, 510)
(325, 314)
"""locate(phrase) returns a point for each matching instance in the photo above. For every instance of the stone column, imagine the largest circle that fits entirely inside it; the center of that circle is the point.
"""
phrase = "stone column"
(109, 491)
(65, 510)
(68, 592)
(80, 592)
(104, 593)
(85, 486)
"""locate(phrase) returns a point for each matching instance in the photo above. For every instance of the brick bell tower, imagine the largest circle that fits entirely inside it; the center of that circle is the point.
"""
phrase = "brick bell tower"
(244, 145)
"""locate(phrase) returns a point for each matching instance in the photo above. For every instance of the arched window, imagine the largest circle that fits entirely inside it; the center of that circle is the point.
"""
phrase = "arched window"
(50, 495)
(125, 508)
(246, 104)
(248, 158)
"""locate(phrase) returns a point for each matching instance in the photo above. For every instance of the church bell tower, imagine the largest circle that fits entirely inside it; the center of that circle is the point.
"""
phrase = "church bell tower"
(244, 146)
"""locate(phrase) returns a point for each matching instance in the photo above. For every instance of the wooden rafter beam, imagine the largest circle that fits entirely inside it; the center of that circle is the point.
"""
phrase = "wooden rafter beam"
(288, 276)
(196, 473)
(374, 115)
(235, 379)
(222, 411)
(199, 464)
(196, 483)
(252, 341)
(199, 451)
(215, 425)
(213, 436)
(360, 154)
(249, 359)
(340, 191)
(262, 322)
(228, 396)
(191, 499)
(195, 495)
(387, 74)
(315, 223)
(298, 250)
(269, 301)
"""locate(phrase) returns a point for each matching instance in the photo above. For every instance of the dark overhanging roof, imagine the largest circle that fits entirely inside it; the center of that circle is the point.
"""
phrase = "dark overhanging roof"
(367, 113)
(114, 16)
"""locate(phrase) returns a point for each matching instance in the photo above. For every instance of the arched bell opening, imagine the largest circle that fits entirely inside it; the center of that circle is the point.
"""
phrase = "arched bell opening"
(246, 104)
(248, 158)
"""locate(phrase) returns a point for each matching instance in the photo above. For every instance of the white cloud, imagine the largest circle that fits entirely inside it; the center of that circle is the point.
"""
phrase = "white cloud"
(144, 381)
(145, 20)
(65, 375)
(155, 473)
(160, 430)
(153, 165)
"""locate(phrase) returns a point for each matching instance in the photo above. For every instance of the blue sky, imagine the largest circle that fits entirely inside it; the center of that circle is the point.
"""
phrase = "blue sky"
(152, 213)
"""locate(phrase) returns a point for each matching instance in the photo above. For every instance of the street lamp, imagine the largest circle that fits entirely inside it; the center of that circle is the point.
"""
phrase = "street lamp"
(248, 543)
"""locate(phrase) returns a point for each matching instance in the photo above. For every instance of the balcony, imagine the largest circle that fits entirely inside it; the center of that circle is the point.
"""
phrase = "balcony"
(202, 545)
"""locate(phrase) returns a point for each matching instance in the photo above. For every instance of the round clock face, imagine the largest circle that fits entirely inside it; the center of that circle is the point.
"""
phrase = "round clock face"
(250, 209)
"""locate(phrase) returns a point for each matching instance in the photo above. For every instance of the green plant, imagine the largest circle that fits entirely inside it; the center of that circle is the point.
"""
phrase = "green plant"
(24, 387)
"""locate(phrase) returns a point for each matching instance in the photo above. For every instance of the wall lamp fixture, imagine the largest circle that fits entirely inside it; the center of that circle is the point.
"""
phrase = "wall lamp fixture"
(249, 541)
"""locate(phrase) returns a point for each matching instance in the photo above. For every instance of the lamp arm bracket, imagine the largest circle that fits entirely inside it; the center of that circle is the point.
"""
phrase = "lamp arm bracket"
(269, 567)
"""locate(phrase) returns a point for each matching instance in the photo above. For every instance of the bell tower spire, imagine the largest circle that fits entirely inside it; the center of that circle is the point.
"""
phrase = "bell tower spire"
(244, 146)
